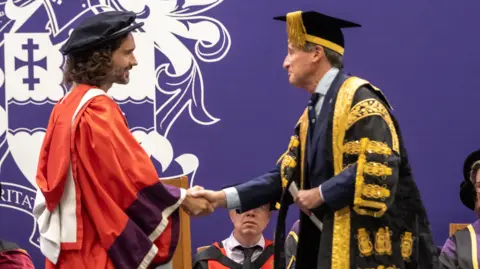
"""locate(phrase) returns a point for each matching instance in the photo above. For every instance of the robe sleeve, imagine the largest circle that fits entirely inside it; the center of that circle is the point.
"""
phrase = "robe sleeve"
(134, 213)
(371, 159)
(448, 255)
(291, 243)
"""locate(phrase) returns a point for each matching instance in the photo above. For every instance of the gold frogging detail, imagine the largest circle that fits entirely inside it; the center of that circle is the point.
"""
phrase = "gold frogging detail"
(353, 148)
(406, 245)
(358, 201)
(383, 242)
(377, 169)
(375, 191)
(365, 245)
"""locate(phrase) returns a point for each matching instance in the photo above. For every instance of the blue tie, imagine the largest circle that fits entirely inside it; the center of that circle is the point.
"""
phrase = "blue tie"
(312, 115)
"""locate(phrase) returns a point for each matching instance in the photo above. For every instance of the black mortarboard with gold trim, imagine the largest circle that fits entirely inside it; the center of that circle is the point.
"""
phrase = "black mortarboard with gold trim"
(467, 188)
(100, 28)
(316, 28)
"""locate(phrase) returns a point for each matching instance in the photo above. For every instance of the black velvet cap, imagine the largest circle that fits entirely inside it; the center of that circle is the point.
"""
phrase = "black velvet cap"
(316, 28)
(100, 28)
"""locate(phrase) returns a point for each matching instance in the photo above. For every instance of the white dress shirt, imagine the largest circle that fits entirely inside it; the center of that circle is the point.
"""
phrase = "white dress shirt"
(236, 255)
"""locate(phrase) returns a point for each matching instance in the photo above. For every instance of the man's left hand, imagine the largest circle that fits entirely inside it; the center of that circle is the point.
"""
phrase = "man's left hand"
(308, 199)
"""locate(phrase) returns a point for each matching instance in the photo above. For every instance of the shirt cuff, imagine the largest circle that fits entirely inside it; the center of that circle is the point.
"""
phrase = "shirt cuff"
(321, 194)
(233, 199)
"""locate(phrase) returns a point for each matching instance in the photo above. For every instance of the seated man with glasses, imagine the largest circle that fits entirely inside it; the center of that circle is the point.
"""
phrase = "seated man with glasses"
(460, 250)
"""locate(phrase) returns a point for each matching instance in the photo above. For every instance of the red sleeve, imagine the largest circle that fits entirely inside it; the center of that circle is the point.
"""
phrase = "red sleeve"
(120, 186)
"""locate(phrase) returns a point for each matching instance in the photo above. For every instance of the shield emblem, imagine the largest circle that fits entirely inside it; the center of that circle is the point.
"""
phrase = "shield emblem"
(32, 86)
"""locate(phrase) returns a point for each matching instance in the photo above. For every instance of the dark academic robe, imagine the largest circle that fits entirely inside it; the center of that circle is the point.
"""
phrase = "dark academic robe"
(462, 249)
(373, 215)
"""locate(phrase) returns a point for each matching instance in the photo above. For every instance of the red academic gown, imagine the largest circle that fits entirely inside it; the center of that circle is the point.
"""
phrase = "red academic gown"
(125, 217)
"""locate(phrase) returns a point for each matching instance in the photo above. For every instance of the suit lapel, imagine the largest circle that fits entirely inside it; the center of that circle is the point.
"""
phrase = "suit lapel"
(322, 119)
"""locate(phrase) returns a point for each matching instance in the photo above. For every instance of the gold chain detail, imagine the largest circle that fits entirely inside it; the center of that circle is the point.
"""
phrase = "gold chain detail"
(383, 243)
(406, 245)
(364, 243)
(371, 107)
(376, 147)
(375, 191)
(377, 169)
(341, 221)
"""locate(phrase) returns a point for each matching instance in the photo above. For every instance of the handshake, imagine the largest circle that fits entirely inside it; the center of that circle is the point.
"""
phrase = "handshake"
(201, 202)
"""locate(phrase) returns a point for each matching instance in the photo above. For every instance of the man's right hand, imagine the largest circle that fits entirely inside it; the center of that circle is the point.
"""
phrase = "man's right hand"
(216, 198)
(197, 206)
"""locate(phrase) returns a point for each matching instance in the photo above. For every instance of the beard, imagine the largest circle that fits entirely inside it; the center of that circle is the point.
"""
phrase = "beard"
(121, 75)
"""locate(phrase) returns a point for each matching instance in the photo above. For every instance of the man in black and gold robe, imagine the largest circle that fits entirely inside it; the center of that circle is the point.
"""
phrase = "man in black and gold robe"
(347, 158)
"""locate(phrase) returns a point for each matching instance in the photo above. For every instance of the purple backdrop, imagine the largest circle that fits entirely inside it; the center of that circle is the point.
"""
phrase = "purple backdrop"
(422, 55)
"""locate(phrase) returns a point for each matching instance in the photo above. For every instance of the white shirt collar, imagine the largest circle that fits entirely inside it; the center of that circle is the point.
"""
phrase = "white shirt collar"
(326, 81)
(232, 242)
(236, 254)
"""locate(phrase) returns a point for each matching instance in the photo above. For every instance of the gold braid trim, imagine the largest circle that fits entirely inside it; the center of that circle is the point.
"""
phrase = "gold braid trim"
(370, 204)
(377, 169)
(303, 143)
(341, 221)
(375, 191)
(371, 107)
(353, 148)
(358, 201)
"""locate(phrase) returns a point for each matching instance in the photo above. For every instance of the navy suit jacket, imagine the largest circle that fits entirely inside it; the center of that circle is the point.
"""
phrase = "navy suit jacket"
(337, 191)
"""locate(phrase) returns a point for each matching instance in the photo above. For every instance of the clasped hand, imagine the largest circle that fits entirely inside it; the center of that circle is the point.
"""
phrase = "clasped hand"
(196, 206)
(201, 202)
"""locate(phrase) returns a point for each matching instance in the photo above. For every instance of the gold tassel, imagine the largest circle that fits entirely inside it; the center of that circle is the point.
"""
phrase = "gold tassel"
(295, 29)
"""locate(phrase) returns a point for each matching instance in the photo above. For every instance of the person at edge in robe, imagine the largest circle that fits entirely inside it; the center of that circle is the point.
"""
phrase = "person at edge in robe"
(100, 203)
(460, 251)
(12, 256)
(245, 248)
(291, 244)
(348, 160)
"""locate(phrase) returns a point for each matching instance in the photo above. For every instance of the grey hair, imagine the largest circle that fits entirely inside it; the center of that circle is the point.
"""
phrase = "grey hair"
(335, 59)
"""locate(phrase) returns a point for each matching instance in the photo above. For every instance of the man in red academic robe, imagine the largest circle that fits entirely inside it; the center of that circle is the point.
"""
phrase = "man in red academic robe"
(100, 203)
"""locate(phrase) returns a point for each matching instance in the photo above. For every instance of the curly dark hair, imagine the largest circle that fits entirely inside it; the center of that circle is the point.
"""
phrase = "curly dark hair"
(93, 66)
